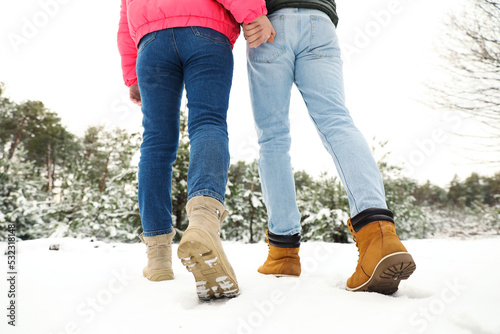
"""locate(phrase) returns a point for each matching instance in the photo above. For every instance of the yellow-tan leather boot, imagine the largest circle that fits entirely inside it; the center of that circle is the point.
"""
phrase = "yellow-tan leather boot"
(159, 250)
(281, 261)
(383, 260)
(200, 249)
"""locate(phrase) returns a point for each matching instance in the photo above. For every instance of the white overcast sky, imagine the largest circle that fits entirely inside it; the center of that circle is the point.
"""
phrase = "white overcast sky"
(63, 52)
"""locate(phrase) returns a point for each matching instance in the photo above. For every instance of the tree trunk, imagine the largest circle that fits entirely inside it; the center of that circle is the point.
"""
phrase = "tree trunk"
(178, 210)
(53, 173)
(17, 138)
(252, 211)
(47, 164)
(103, 181)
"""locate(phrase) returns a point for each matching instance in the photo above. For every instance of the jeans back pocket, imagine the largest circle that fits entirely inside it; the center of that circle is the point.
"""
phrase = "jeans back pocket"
(145, 40)
(270, 52)
(324, 40)
(211, 34)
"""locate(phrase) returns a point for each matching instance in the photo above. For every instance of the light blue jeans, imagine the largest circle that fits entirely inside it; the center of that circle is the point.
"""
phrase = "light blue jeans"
(306, 52)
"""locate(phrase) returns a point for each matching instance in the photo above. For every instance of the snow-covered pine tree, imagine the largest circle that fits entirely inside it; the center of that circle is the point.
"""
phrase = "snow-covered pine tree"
(411, 222)
(179, 178)
(99, 194)
(247, 218)
(22, 199)
(324, 208)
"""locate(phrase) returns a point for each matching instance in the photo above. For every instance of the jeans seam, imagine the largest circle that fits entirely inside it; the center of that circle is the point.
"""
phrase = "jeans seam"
(299, 30)
(341, 170)
(175, 46)
(313, 33)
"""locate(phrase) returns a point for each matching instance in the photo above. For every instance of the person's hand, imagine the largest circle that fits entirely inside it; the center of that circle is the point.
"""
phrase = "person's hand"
(259, 31)
(135, 94)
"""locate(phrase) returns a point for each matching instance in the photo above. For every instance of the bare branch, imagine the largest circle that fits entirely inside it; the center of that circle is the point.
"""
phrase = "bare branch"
(470, 51)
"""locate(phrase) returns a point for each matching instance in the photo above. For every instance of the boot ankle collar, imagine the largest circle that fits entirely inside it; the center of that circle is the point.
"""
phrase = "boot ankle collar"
(369, 216)
(207, 203)
(156, 239)
(284, 241)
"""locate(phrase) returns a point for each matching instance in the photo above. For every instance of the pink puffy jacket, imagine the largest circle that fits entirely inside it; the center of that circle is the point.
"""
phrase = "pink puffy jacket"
(140, 17)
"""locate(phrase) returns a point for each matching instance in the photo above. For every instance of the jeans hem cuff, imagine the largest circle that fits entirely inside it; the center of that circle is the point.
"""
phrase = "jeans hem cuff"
(208, 193)
(289, 233)
(155, 233)
(354, 213)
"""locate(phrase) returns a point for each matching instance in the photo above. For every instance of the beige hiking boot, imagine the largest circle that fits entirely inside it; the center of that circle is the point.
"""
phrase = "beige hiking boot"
(200, 249)
(159, 267)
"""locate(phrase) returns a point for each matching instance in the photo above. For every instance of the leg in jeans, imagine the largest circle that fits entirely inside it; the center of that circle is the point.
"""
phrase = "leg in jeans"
(166, 60)
(208, 71)
(315, 66)
(207, 60)
(318, 76)
(383, 260)
(160, 77)
(271, 75)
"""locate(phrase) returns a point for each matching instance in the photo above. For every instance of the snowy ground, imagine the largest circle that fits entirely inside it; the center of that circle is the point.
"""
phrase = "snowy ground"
(83, 289)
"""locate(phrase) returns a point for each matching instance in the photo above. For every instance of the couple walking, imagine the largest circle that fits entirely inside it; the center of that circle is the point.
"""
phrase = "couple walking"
(167, 45)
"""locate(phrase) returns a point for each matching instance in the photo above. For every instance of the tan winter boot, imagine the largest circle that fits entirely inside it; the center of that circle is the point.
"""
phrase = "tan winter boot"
(200, 249)
(281, 261)
(159, 267)
(383, 260)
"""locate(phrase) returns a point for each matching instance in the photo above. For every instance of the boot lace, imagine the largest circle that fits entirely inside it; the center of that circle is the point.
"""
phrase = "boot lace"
(162, 249)
(354, 239)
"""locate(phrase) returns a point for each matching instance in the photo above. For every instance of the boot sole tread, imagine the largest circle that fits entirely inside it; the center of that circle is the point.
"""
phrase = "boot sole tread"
(388, 273)
(212, 280)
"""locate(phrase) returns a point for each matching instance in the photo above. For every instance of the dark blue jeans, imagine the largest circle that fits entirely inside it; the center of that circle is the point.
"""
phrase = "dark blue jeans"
(200, 59)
